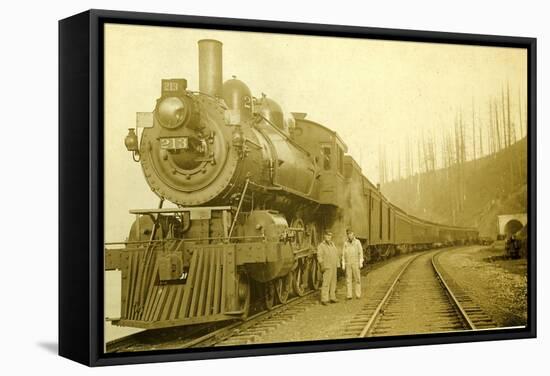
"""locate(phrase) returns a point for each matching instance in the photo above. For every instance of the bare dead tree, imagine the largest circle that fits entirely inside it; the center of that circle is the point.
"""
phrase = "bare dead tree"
(523, 172)
(463, 163)
(457, 144)
(419, 155)
(463, 139)
(497, 127)
(380, 173)
(411, 158)
(447, 159)
(505, 123)
(408, 159)
(399, 166)
(480, 139)
(426, 152)
(386, 173)
(520, 115)
(473, 130)
(512, 132)
(432, 150)
(491, 130)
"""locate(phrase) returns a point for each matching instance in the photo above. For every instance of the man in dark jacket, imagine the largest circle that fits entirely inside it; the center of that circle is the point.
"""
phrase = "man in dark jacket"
(329, 260)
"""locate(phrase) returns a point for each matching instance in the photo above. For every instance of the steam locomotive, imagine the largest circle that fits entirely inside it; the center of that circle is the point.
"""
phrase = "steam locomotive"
(252, 192)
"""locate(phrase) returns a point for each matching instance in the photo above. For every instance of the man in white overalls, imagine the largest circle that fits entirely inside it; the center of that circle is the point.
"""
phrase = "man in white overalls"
(352, 262)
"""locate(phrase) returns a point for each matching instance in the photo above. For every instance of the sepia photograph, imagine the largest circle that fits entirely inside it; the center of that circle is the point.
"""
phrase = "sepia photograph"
(266, 188)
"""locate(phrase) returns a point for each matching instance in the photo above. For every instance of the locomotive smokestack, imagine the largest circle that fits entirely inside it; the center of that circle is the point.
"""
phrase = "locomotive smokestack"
(210, 67)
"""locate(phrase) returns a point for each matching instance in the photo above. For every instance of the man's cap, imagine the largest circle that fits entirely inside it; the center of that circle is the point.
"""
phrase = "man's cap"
(348, 230)
(328, 232)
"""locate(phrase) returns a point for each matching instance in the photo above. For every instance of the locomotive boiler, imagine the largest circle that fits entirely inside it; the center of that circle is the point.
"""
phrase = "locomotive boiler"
(250, 191)
(200, 148)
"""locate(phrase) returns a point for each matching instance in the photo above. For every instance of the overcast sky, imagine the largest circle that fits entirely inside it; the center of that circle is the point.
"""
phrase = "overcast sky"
(371, 92)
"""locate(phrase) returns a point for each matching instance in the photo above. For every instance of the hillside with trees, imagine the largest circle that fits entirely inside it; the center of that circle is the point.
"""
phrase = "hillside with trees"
(470, 194)
(465, 174)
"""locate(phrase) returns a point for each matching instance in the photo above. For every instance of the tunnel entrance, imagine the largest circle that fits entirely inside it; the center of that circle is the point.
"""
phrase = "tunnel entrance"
(512, 227)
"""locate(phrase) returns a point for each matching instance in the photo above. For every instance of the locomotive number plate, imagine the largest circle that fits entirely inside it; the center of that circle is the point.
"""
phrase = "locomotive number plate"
(174, 143)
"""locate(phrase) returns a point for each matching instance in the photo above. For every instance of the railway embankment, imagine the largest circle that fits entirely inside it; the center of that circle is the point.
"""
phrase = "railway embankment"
(497, 284)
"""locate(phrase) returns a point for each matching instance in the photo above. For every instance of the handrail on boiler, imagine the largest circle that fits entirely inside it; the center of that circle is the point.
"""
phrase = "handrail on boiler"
(238, 209)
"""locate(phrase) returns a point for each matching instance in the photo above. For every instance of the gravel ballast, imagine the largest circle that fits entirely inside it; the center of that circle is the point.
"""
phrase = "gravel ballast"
(498, 285)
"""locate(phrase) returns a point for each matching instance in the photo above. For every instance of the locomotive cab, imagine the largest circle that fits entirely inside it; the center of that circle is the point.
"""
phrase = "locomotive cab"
(328, 150)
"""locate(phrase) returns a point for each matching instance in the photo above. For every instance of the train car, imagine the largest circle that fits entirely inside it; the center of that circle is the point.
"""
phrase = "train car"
(250, 193)
(403, 231)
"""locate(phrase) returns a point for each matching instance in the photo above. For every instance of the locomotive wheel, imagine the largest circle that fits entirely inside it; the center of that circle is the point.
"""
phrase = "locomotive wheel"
(316, 275)
(269, 295)
(243, 291)
(299, 280)
(282, 288)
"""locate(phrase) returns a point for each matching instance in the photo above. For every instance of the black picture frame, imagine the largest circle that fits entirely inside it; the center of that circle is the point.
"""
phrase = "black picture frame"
(81, 181)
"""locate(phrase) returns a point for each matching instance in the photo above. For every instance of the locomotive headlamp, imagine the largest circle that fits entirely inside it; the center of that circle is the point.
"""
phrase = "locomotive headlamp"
(172, 112)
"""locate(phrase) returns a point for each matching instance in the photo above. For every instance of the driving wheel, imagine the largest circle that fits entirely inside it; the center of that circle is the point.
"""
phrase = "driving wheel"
(299, 280)
(316, 275)
(269, 295)
(282, 288)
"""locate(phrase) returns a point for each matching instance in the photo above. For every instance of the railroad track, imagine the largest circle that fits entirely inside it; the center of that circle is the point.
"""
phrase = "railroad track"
(478, 318)
(262, 323)
(418, 298)
(235, 333)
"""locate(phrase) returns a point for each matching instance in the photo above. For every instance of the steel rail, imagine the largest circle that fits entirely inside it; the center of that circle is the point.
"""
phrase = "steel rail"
(374, 316)
(226, 332)
(117, 343)
(465, 318)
